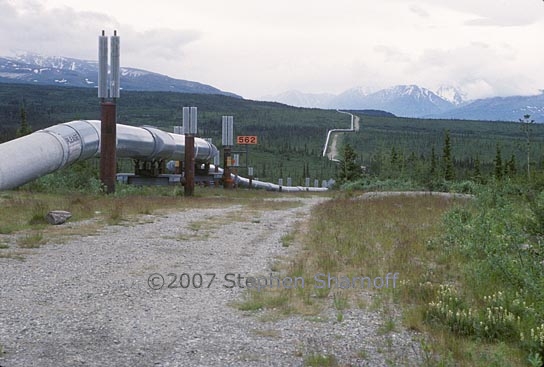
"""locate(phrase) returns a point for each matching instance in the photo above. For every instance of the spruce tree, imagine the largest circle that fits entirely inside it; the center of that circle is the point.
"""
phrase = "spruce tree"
(447, 162)
(348, 170)
(477, 170)
(498, 163)
(432, 171)
(25, 128)
(510, 167)
(526, 124)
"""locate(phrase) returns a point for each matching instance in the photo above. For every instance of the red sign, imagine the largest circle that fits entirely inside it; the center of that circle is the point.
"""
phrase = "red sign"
(241, 139)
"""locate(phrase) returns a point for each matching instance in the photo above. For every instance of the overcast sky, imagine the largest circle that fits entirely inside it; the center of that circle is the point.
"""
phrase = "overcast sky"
(256, 48)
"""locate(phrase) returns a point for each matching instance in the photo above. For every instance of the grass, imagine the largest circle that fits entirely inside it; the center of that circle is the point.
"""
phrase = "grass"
(13, 254)
(320, 360)
(32, 240)
(267, 333)
(379, 236)
(287, 239)
(25, 210)
(349, 237)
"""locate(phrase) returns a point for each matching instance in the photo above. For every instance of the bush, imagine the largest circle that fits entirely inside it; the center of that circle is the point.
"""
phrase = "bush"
(368, 184)
(502, 269)
(79, 177)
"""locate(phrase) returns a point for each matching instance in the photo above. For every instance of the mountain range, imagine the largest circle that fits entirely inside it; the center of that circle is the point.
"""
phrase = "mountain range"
(419, 102)
(31, 68)
(401, 100)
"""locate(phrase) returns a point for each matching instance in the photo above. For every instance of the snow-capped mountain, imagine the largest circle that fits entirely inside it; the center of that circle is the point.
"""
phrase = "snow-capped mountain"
(402, 100)
(56, 70)
(452, 94)
(500, 109)
(407, 100)
(350, 98)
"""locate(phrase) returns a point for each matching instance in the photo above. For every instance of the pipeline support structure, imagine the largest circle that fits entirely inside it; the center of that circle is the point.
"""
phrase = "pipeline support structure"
(45, 151)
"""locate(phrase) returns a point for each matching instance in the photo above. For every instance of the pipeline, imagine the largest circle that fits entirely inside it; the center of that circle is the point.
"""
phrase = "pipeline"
(243, 181)
(45, 151)
(353, 128)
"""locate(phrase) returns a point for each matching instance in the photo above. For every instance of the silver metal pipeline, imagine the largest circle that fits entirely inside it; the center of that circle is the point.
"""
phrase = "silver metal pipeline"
(243, 181)
(45, 151)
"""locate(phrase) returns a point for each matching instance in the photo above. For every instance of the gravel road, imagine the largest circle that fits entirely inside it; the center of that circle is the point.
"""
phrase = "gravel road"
(88, 301)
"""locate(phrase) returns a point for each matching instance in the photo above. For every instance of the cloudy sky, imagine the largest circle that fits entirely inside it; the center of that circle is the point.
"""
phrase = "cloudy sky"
(256, 48)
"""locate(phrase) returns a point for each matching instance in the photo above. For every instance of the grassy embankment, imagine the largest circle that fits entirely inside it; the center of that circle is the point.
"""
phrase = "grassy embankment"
(470, 272)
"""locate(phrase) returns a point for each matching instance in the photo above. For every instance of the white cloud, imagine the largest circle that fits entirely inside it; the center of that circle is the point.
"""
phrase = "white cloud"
(255, 48)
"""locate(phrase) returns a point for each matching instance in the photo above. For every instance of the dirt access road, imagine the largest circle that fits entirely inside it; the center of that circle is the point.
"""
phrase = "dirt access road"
(88, 300)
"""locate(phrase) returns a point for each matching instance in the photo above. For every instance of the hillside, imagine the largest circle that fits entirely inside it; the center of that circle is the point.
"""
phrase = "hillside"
(31, 68)
(290, 139)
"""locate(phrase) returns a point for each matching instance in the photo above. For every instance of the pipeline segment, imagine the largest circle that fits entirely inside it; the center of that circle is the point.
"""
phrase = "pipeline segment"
(351, 130)
(243, 181)
(45, 151)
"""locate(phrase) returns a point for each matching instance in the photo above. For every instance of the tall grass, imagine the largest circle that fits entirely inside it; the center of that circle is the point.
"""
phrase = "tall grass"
(468, 275)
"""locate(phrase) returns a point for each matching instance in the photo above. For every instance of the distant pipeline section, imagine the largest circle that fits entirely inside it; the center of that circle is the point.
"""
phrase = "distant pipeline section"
(243, 181)
(45, 151)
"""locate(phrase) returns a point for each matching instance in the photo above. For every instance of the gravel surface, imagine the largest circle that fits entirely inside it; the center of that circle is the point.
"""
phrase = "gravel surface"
(88, 301)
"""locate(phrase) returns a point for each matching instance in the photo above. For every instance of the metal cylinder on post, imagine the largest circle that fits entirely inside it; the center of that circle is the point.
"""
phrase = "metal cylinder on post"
(189, 187)
(108, 146)
(115, 82)
(108, 111)
(227, 141)
(190, 129)
(103, 66)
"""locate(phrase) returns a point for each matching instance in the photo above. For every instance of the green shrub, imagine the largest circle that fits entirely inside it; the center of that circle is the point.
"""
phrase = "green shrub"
(502, 271)
(79, 177)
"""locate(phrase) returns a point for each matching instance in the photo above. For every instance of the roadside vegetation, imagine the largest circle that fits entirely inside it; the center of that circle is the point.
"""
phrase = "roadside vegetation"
(470, 271)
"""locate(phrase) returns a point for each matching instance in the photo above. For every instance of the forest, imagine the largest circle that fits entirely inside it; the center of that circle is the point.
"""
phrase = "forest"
(291, 139)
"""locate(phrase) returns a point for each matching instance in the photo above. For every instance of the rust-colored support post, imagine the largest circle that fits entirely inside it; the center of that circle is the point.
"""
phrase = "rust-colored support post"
(189, 188)
(227, 179)
(108, 146)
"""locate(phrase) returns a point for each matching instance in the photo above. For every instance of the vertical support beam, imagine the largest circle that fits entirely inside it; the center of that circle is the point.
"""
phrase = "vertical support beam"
(108, 146)
(250, 174)
(227, 179)
(216, 171)
(189, 188)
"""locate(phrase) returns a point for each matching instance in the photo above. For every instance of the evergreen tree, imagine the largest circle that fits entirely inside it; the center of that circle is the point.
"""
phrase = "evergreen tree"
(432, 171)
(526, 123)
(447, 161)
(477, 170)
(394, 157)
(349, 170)
(510, 168)
(25, 128)
(498, 164)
